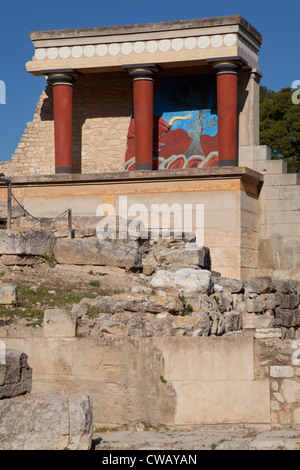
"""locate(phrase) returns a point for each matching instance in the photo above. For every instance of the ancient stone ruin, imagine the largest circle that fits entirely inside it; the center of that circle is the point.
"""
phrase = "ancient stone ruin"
(39, 421)
(201, 324)
(178, 330)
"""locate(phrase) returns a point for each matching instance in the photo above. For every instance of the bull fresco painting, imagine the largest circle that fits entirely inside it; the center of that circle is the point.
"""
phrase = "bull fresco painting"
(185, 124)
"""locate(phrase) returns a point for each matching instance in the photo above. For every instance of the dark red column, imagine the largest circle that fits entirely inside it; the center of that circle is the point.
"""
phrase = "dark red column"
(63, 117)
(143, 84)
(227, 76)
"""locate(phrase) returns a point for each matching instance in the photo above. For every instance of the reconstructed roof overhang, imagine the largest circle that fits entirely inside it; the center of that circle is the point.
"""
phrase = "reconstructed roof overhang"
(168, 44)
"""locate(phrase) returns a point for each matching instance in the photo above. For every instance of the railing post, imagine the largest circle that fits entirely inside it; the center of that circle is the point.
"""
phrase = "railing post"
(8, 223)
(70, 223)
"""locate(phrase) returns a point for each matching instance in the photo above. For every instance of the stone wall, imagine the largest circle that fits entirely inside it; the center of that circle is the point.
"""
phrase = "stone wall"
(277, 224)
(102, 109)
(181, 380)
(35, 151)
(185, 346)
(278, 361)
(15, 373)
(39, 421)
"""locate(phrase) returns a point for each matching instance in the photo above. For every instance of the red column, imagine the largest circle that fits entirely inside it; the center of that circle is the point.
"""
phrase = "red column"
(63, 117)
(227, 76)
(143, 80)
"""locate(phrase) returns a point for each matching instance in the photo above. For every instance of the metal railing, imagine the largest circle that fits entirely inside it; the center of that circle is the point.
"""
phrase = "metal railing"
(11, 196)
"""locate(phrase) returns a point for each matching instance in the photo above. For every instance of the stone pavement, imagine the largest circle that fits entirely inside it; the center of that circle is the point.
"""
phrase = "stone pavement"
(204, 438)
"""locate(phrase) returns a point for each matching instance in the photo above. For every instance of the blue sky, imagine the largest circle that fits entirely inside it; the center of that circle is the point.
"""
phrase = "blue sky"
(277, 21)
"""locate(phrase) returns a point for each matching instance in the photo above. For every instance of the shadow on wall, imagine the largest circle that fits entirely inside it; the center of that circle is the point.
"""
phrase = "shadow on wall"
(94, 97)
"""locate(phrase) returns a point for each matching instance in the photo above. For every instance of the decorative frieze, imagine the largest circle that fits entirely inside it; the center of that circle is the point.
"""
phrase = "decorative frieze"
(138, 47)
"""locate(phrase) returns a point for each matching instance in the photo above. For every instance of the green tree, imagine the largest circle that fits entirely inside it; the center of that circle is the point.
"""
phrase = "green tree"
(280, 125)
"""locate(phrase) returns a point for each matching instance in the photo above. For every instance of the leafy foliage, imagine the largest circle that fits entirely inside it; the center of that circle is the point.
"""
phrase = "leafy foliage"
(280, 125)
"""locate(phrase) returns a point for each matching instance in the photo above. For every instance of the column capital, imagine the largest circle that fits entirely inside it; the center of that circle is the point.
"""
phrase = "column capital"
(61, 77)
(227, 64)
(228, 67)
(142, 71)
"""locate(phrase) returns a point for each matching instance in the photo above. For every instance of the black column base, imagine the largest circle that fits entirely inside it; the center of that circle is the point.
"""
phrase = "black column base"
(63, 169)
(228, 162)
(143, 166)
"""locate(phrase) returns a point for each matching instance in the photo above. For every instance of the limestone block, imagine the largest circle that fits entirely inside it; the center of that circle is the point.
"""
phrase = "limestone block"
(238, 302)
(286, 286)
(255, 305)
(59, 323)
(289, 301)
(269, 300)
(262, 152)
(279, 397)
(188, 280)
(286, 179)
(261, 333)
(271, 166)
(296, 317)
(289, 192)
(281, 371)
(191, 255)
(291, 391)
(139, 302)
(46, 422)
(8, 294)
(234, 286)
(27, 242)
(252, 321)
(285, 317)
(264, 283)
(296, 416)
(205, 358)
(206, 402)
(98, 252)
(15, 374)
(149, 264)
(225, 301)
(232, 321)
(21, 260)
(270, 193)
(197, 322)
(251, 287)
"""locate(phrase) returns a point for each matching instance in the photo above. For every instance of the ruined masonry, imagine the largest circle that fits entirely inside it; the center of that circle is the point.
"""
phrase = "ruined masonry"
(137, 122)
(179, 331)
(39, 421)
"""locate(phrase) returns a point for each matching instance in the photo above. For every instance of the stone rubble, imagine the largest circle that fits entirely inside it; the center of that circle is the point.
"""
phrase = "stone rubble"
(32, 421)
(221, 305)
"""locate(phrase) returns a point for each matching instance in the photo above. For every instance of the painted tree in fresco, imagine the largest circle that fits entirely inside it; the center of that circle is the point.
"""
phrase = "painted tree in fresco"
(198, 93)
